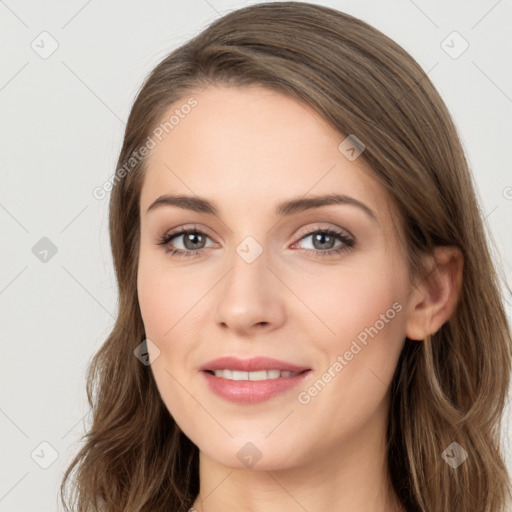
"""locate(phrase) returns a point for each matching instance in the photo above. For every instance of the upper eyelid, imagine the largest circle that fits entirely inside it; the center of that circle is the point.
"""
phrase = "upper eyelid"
(182, 230)
(310, 231)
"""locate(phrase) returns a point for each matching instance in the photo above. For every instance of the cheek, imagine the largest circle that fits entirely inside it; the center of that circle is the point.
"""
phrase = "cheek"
(360, 357)
(363, 307)
(164, 297)
(161, 308)
(352, 299)
(155, 301)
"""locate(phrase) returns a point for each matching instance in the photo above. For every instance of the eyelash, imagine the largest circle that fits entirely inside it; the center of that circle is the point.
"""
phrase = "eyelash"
(349, 243)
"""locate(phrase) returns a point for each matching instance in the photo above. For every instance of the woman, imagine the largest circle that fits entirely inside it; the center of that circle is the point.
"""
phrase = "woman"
(272, 373)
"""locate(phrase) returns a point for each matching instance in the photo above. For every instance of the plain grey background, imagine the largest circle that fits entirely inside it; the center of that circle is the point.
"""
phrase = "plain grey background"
(62, 121)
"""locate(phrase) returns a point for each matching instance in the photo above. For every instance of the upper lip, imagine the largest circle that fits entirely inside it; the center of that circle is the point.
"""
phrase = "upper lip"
(251, 365)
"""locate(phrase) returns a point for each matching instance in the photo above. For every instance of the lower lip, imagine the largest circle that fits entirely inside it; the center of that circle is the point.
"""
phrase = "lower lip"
(252, 391)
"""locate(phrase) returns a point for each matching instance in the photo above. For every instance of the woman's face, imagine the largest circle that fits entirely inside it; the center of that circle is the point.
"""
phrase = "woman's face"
(273, 273)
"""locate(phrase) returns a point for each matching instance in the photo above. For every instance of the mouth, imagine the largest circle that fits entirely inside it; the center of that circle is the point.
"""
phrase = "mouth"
(248, 388)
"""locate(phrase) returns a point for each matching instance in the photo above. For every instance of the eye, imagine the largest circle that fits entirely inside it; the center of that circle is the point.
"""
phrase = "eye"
(193, 241)
(323, 241)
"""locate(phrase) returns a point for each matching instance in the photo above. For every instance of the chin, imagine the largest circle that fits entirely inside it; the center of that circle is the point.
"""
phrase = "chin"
(253, 452)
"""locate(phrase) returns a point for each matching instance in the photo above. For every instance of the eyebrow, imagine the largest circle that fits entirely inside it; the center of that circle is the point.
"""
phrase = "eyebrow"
(286, 208)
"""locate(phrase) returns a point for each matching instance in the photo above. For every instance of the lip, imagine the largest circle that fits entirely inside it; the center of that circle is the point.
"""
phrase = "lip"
(252, 365)
(247, 391)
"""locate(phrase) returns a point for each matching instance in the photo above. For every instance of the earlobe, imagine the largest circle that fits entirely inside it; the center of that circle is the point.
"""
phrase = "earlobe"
(436, 298)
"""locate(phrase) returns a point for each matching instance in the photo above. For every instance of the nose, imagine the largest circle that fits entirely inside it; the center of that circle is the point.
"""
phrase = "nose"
(250, 297)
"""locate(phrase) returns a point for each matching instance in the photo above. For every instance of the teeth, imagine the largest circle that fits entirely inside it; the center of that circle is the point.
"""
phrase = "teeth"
(258, 375)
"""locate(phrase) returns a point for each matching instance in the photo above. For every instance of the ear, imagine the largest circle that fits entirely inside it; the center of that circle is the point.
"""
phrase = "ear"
(432, 303)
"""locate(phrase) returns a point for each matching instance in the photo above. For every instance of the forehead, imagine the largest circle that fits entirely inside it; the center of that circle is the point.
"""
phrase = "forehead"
(248, 147)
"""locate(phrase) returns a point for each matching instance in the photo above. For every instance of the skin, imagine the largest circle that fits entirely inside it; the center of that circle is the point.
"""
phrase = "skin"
(248, 149)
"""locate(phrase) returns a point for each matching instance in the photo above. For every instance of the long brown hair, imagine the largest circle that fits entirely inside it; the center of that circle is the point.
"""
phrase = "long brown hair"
(450, 387)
